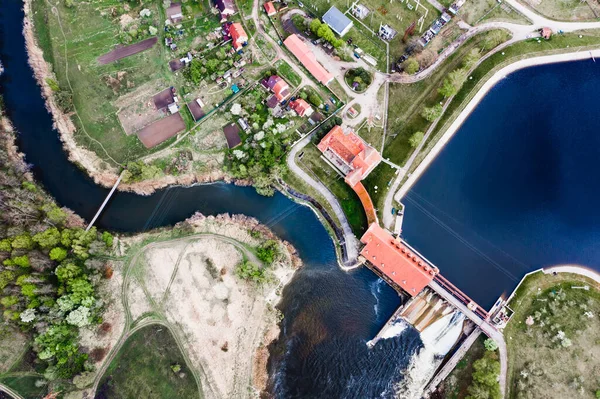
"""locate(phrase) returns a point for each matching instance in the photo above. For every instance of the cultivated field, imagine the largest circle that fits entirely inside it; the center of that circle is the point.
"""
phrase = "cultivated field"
(553, 338)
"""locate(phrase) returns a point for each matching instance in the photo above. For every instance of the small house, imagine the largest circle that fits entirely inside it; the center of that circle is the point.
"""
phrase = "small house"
(239, 38)
(226, 8)
(174, 13)
(387, 33)
(301, 107)
(196, 110)
(270, 8)
(337, 21)
(360, 11)
(279, 87)
(245, 126)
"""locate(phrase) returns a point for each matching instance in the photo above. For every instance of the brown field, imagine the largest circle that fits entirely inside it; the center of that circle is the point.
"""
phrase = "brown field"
(122, 52)
(161, 130)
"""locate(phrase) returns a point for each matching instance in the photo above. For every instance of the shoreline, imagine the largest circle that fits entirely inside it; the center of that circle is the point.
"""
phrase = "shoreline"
(483, 91)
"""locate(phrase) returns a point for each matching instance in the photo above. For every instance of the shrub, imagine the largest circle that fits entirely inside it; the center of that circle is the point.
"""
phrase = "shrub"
(490, 344)
(432, 113)
(410, 66)
(58, 254)
(416, 139)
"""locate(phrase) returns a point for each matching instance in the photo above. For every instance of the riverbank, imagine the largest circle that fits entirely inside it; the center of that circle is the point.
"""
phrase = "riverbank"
(186, 278)
(472, 104)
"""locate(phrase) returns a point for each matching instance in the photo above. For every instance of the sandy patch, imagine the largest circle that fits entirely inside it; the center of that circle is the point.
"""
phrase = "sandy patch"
(224, 323)
(137, 301)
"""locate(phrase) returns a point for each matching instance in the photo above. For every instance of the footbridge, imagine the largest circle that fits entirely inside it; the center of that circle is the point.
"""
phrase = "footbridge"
(112, 191)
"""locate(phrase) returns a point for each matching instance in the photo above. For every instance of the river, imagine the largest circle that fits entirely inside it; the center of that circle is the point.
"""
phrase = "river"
(330, 314)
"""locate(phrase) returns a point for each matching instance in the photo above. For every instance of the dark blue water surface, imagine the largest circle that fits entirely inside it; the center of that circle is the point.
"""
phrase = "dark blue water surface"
(329, 314)
(517, 187)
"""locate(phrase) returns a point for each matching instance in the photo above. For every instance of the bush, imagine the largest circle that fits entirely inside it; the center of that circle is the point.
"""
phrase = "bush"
(268, 251)
(410, 66)
(416, 139)
(490, 345)
(248, 271)
(432, 113)
(58, 254)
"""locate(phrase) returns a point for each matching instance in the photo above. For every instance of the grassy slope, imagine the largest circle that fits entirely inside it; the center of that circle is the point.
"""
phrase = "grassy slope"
(560, 365)
(142, 368)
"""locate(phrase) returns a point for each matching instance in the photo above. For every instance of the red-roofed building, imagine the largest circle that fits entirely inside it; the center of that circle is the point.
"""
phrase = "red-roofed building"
(307, 58)
(301, 107)
(399, 264)
(350, 154)
(238, 36)
(279, 87)
(270, 8)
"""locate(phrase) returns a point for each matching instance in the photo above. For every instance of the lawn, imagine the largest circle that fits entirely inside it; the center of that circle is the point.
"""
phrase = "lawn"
(381, 177)
(320, 170)
(408, 100)
(144, 368)
(553, 337)
(28, 386)
(479, 11)
(566, 10)
(286, 72)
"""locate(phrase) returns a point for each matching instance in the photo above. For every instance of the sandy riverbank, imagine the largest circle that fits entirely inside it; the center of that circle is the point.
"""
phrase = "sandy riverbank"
(498, 76)
(224, 324)
(101, 171)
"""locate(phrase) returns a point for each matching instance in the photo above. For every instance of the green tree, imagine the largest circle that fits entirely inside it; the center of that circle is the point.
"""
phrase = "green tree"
(55, 214)
(22, 261)
(58, 254)
(490, 344)
(67, 272)
(471, 58)
(66, 237)
(193, 73)
(5, 245)
(485, 383)
(108, 239)
(410, 66)
(315, 24)
(268, 251)
(22, 241)
(453, 82)
(6, 277)
(28, 290)
(48, 238)
(416, 139)
(314, 99)
(432, 113)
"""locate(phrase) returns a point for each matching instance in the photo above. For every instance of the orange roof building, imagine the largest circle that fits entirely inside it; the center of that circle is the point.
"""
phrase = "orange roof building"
(308, 59)
(238, 36)
(270, 8)
(301, 107)
(397, 262)
(350, 154)
(279, 87)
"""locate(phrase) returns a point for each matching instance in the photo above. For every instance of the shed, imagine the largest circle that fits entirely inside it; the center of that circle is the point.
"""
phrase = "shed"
(163, 99)
(232, 135)
(174, 12)
(196, 110)
(337, 21)
(270, 8)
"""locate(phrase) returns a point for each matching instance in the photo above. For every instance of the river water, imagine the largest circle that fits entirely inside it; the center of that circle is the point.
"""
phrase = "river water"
(329, 314)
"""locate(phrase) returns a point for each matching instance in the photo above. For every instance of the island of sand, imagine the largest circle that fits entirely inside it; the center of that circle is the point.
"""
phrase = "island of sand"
(186, 279)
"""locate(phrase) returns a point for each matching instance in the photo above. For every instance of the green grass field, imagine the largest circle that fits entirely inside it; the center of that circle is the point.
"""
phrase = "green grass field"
(286, 72)
(26, 385)
(143, 369)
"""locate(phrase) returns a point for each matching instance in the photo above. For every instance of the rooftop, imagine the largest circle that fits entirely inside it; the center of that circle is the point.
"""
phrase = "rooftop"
(270, 8)
(337, 21)
(232, 134)
(307, 58)
(238, 35)
(399, 263)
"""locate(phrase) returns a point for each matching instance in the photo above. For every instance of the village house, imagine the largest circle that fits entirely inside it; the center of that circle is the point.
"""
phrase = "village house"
(279, 87)
(301, 107)
(337, 21)
(307, 58)
(239, 38)
(232, 135)
(226, 8)
(270, 8)
(174, 13)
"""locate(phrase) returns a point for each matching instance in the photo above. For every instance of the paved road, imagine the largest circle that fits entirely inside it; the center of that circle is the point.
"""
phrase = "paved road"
(350, 239)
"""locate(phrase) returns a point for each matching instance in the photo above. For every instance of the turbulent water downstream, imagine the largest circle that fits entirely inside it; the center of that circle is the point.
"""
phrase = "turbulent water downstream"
(329, 314)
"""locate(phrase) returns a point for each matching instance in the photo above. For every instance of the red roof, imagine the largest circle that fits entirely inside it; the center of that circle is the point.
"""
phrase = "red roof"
(238, 35)
(281, 90)
(270, 8)
(300, 106)
(401, 264)
(307, 58)
(358, 155)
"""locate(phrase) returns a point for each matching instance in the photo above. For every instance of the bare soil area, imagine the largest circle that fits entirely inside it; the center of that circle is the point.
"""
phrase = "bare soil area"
(122, 52)
(224, 323)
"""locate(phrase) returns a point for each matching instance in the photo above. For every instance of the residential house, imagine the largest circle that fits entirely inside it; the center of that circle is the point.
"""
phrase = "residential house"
(301, 107)
(307, 58)
(337, 21)
(174, 13)
(232, 135)
(239, 38)
(279, 87)
(360, 11)
(226, 8)
(270, 8)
